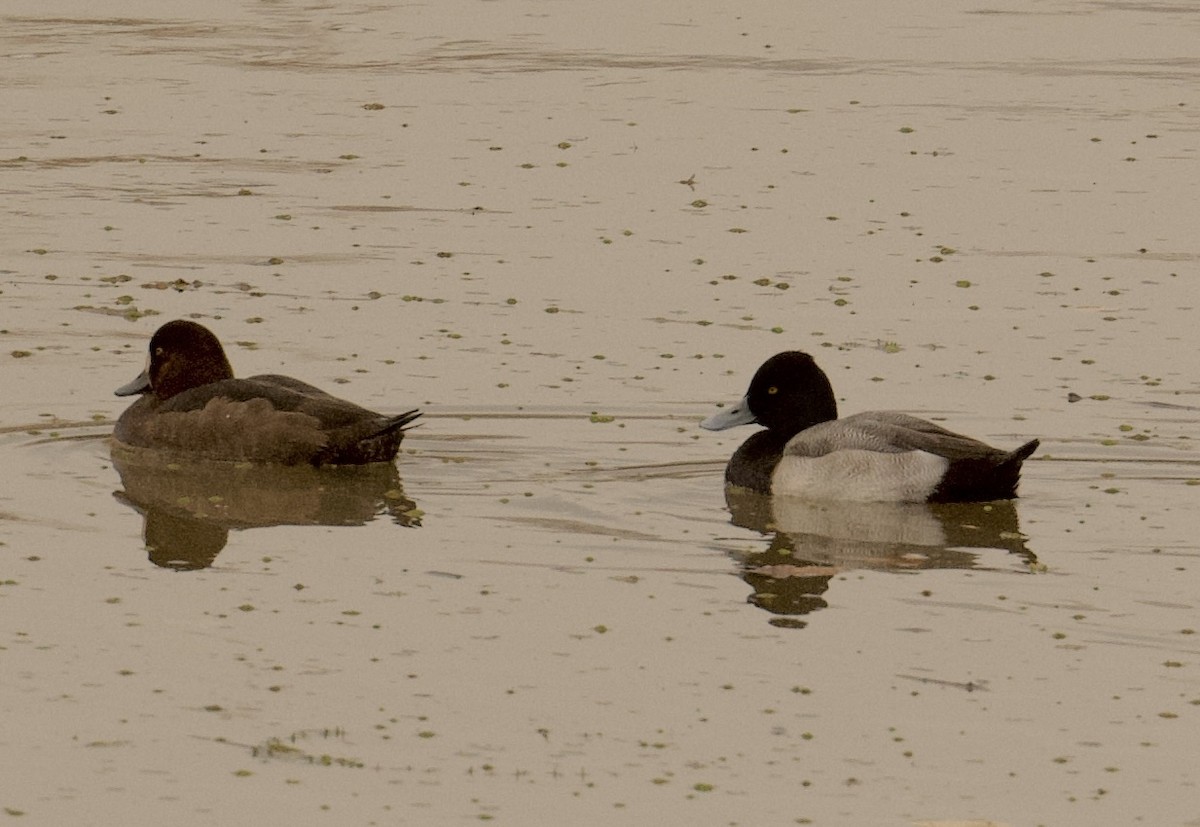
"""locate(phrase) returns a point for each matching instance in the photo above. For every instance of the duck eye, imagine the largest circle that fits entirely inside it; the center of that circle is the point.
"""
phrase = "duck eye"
(772, 390)
(158, 351)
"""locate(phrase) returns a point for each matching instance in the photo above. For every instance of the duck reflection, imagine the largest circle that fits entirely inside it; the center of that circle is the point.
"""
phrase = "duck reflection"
(190, 508)
(811, 542)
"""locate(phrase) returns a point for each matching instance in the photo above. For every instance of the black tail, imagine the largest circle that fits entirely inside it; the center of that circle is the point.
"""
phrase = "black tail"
(1023, 453)
(979, 479)
(397, 423)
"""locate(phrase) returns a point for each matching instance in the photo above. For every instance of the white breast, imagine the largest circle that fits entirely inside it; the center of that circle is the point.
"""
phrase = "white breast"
(863, 476)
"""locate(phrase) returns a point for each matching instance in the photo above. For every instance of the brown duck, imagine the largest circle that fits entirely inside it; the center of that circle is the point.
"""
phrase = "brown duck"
(192, 405)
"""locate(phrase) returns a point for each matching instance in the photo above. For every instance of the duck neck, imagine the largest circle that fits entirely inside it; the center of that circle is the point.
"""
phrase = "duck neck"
(754, 462)
(820, 405)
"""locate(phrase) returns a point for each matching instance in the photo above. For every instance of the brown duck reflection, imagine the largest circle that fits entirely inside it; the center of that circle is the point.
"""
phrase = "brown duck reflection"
(190, 508)
(813, 541)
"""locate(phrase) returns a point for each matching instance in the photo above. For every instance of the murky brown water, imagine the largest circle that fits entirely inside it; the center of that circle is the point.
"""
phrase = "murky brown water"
(567, 232)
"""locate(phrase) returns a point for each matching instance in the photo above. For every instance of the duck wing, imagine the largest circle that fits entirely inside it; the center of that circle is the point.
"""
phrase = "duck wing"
(353, 434)
(290, 421)
(885, 432)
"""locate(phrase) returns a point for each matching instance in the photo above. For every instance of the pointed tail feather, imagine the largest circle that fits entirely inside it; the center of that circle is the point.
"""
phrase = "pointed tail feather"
(398, 422)
(1023, 453)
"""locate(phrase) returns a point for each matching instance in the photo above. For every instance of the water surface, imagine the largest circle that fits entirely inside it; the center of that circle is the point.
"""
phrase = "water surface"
(567, 233)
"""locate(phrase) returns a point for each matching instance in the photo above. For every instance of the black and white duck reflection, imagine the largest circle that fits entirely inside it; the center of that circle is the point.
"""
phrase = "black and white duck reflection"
(813, 541)
(190, 508)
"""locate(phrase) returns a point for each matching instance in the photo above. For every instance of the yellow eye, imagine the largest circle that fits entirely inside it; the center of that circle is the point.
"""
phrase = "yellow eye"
(158, 351)
(772, 390)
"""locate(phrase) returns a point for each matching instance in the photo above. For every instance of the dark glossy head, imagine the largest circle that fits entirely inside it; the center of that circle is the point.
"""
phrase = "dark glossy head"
(183, 355)
(790, 393)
